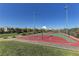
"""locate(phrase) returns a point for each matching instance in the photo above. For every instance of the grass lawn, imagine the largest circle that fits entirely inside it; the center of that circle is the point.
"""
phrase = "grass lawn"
(8, 35)
(15, 48)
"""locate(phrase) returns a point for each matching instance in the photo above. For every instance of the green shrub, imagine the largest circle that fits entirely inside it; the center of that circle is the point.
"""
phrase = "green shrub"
(5, 37)
(23, 34)
(77, 36)
(13, 36)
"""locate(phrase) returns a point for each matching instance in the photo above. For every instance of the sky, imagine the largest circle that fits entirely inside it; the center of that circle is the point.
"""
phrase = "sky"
(39, 15)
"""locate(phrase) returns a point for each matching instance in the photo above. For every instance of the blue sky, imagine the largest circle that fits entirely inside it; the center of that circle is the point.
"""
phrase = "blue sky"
(38, 15)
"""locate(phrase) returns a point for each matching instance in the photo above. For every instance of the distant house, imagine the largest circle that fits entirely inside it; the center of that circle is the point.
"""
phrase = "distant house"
(77, 32)
(5, 29)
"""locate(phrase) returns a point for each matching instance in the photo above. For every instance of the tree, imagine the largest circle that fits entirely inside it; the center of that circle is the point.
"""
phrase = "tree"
(1, 30)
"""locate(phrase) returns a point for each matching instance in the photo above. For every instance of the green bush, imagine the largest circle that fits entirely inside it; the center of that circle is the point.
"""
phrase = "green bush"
(5, 37)
(23, 34)
(13, 36)
(30, 33)
(77, 36)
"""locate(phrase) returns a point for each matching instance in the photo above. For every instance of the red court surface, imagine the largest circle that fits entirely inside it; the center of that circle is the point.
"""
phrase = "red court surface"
(50, 39)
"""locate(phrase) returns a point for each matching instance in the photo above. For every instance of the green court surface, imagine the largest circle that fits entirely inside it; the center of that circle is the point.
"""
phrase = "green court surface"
(63, 36)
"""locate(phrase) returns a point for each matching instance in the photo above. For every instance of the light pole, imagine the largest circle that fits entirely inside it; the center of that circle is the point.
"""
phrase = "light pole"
(66, 14)
(42, 32)
(33, 20)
